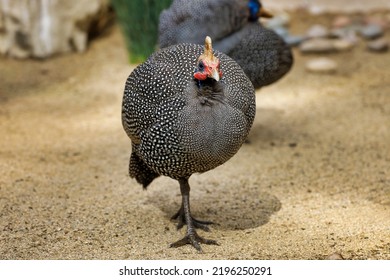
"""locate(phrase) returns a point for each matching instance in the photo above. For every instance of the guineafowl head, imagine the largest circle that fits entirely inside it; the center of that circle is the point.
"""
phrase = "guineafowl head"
(256, 10)
(208, 65)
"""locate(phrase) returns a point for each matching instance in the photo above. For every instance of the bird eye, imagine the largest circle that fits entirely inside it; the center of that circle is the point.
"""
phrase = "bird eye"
(201, 65)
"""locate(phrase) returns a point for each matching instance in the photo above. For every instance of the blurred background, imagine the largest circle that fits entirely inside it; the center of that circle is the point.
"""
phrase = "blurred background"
(40, 29)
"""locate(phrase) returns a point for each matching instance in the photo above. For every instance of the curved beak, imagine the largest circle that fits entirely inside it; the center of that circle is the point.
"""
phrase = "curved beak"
(264, 13)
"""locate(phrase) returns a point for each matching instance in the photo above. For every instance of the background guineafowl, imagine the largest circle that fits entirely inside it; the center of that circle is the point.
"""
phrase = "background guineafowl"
(236, 30)
(187, 21)
(182, 122)
(262, 54)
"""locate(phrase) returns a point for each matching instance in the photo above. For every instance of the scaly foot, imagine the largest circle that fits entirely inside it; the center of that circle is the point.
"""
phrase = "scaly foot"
(197, 223)
(194, 239)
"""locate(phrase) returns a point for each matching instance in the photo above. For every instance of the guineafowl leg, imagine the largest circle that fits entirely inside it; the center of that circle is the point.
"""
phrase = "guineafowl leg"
(192, 236)
(182, 221)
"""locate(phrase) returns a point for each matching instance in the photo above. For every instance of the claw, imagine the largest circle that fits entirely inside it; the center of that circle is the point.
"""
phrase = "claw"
(185, 218)
(194, 239)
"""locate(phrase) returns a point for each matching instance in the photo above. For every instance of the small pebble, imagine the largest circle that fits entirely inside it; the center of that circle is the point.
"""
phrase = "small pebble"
(341, 21)
(317, 31)
(318, 45)
(339, 32)
(371, 31)
(342, 44)
(335, 256)
(377, 20)
(321, 65)
(378, 45)
(348, 34)
(294, 40)
(281, 31)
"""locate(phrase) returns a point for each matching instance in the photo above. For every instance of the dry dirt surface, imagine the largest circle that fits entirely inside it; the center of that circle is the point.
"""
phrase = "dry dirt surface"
(313, 181)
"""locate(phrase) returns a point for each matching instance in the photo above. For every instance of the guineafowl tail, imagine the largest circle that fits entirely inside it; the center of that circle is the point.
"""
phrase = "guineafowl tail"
(140, 171)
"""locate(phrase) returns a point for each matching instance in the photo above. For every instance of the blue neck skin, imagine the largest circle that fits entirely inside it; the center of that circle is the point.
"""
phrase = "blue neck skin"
(254, 7)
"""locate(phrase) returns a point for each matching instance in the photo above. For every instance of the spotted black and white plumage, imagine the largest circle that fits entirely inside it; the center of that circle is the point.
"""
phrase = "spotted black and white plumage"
(179, 125)
(189, 21)
(234, 25)
(177, 128)
(263, 55)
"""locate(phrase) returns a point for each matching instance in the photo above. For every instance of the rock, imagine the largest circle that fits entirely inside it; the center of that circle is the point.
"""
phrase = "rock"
(338, 32)
(281, 31)
(321, 65)
(342, 44)
(345, 33)
(377, 20)
(317, 46)
(43, 28)
(341, 21)
(321, 45)
(317, 31)
(294, 40)
(371, 31)
(378, 45)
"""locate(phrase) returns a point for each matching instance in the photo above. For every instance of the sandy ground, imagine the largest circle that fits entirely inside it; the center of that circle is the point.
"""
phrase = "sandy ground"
(314, 179)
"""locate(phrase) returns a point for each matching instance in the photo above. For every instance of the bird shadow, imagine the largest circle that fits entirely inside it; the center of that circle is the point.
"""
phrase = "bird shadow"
(230, 207)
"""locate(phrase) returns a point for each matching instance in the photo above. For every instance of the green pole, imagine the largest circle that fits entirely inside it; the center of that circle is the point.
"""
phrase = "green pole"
(139, 23)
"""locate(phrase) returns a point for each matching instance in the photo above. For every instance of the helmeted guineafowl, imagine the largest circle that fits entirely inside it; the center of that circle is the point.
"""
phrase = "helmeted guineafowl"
(187, 109)
(236, 30)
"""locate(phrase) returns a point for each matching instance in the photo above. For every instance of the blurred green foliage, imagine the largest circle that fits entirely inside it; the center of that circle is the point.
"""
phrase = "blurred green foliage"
(139, 22)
